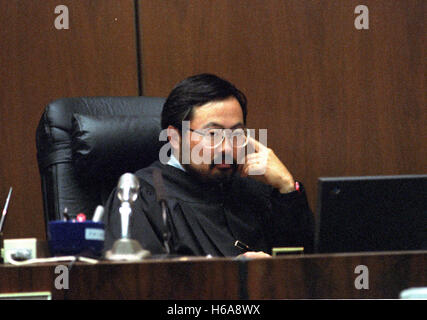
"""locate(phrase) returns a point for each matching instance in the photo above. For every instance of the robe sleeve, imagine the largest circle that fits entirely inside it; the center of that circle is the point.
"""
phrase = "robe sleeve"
(292, 220)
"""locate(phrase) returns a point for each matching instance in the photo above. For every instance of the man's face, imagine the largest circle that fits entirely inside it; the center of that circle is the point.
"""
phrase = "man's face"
(220, 162)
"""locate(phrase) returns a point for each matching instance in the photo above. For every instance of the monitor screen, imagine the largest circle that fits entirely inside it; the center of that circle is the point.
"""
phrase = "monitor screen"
(373, 213)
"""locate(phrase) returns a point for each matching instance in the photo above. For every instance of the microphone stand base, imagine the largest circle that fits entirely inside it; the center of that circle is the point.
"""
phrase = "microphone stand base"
(128, 250)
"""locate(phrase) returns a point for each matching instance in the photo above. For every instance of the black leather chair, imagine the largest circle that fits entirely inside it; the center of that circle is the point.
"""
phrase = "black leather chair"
(85, 144)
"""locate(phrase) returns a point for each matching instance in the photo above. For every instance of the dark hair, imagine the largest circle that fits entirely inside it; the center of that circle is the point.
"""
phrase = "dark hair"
(196, 91)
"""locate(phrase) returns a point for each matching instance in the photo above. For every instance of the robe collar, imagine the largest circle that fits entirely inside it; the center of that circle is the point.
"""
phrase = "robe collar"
(190, 188)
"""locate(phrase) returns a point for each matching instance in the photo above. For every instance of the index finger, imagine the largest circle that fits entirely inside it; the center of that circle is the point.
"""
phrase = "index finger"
(256, 145)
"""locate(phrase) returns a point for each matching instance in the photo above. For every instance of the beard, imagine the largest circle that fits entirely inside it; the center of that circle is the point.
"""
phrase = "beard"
(215, 173)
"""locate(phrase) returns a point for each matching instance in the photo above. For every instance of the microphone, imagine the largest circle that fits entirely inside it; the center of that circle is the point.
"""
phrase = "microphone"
(127, 192)
(126, 248)
(161, 199)
(128, 188)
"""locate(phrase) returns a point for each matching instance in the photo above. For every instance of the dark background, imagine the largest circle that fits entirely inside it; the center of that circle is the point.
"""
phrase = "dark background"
(335, 100)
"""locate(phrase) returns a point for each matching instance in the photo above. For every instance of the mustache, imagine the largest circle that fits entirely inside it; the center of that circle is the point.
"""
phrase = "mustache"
(223, 159)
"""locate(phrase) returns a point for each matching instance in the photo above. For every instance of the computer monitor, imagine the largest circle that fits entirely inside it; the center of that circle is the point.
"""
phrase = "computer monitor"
(372, 213)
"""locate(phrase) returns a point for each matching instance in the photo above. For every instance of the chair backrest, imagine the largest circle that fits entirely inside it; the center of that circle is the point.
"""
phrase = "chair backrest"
(84, 144)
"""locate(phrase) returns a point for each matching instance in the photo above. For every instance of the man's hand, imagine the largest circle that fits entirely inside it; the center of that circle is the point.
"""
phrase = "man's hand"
(254, 255)
(263, 165)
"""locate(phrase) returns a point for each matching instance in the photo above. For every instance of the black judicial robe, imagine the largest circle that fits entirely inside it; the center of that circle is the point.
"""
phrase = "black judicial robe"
(207, 219)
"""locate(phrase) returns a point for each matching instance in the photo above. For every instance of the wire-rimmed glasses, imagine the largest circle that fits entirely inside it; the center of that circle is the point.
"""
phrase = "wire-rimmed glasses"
(212, 138)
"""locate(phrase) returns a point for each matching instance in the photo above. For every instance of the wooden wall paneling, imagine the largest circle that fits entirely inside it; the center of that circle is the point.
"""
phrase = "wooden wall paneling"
(335, 100)
(96, 56)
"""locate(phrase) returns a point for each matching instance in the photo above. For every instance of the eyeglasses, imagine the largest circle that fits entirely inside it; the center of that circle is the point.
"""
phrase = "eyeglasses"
(212, 138)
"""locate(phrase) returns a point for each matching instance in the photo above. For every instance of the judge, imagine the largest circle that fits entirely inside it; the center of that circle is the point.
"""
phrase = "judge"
(216, 194)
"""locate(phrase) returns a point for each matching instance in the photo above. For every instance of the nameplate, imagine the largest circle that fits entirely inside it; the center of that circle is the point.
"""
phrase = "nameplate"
(94, 234)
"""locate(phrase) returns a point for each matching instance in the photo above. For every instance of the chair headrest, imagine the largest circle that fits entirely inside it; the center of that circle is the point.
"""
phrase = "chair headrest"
(113, 145)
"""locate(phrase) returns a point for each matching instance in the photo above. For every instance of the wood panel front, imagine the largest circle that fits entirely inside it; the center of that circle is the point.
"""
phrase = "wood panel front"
(96, 56)
(200, 279)
(329, 276)
(334, 276)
